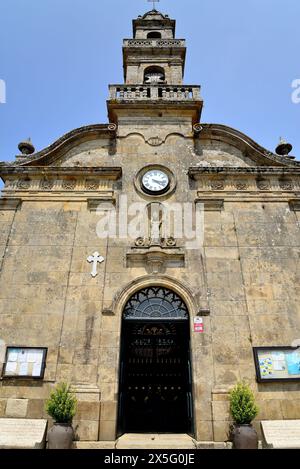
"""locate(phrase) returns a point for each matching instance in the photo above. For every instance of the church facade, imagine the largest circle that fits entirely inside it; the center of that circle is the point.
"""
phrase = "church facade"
(151, 262)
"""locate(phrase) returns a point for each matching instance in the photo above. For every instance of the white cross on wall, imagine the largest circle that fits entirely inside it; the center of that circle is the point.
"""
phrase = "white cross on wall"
(95, 258)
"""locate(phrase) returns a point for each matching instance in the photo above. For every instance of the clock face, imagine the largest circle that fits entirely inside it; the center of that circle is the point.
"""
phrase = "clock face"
(155, 181)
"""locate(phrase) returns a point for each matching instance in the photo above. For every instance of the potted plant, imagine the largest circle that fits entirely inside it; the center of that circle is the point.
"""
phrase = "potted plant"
(61, 406)
(243, 409)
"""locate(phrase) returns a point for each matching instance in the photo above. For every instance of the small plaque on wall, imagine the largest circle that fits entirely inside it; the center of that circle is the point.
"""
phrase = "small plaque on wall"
(277, 364)
(24, 363)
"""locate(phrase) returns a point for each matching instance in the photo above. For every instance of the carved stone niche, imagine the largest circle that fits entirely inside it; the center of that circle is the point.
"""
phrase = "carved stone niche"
(155, 259)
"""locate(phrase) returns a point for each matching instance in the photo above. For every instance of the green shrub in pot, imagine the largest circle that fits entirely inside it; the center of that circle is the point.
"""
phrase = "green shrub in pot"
(61, 406)
(243, 409)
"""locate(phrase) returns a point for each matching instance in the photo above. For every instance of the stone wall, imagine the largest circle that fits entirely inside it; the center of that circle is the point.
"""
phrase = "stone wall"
(246, 275)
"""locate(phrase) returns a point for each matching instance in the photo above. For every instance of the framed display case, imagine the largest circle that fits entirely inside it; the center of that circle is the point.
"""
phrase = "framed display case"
(277, 364)
(25, 362)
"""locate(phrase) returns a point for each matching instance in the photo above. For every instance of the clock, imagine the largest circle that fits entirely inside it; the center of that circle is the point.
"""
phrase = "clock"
(155, 181)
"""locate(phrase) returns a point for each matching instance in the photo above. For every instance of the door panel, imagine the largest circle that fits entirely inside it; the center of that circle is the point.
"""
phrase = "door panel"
(155, 378)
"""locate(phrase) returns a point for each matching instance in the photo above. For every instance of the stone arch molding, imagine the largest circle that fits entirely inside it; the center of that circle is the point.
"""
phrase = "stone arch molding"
(155, 140)
(185, 292)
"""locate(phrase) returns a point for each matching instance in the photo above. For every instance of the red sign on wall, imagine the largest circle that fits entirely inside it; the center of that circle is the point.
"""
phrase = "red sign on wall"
(198, 325)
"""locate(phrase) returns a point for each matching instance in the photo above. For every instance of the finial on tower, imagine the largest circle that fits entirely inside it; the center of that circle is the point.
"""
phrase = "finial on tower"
(154, 1)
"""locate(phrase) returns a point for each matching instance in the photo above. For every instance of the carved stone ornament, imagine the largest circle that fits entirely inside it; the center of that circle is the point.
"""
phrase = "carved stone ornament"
(171, 242)
(91, 185)
(69, 185)
(142, 242)
(197, 128)
(286, 185)
(112, 127)
(24, 184)
(263, 185)
(241, 185)
(156, 258)
(46, 185)
(155, 141)
(217, 185)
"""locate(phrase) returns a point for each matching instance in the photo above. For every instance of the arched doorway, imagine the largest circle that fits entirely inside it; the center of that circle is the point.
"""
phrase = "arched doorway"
(155, 383)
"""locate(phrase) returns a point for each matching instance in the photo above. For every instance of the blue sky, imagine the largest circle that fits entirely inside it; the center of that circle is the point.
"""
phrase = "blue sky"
(57, 58)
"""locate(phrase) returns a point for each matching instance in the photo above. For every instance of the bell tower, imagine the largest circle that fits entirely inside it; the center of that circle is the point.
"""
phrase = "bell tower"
(154, 55)
(154, 63)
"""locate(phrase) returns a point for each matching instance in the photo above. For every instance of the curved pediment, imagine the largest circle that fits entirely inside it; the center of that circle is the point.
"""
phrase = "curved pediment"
(68, 145)
(220, 145)
(214, 146)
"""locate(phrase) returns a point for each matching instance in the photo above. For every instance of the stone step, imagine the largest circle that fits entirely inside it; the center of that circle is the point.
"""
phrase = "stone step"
(152, 441)
(94, 445)
(155, 441)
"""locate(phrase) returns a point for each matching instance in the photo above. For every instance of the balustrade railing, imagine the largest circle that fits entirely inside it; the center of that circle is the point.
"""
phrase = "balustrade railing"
(154, 92)
(154, 43)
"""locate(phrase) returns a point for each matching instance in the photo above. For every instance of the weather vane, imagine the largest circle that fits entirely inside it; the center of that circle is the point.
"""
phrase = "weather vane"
(154, 1)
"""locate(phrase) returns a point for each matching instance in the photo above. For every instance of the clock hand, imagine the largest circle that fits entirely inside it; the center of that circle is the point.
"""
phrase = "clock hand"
(157, 182)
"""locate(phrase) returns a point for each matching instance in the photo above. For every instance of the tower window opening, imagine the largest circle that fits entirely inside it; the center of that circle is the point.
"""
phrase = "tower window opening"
(154, 35)
(154, 75)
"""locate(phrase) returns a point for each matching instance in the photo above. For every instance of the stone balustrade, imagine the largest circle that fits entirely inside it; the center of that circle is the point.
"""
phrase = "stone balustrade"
(154, 92)
(154, 43)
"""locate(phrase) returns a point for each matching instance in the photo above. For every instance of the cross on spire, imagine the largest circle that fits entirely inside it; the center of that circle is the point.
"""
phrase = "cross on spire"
(154, 1)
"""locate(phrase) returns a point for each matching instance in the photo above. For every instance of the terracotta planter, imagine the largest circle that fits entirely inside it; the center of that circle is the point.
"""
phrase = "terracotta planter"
(60, 436)
(245, 437)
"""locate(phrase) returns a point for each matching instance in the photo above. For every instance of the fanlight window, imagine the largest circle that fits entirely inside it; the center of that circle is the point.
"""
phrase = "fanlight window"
(155, 303)
(154, 35)
(154, 75)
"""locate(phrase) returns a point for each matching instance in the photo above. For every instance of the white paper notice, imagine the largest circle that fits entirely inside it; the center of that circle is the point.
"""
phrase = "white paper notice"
(278, 365)
(31, 357)
(278, 356)
(11, 367)
(39, 357)
(12, 356)
(23, 370)
(22, 357)
(36, 369)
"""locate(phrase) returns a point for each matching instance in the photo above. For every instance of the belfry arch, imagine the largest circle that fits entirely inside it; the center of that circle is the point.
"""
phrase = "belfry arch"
(155, 380)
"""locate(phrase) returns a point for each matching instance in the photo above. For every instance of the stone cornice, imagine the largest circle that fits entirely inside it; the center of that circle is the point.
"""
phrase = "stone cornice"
(249, 147)
(111, 173)
(196, 172)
